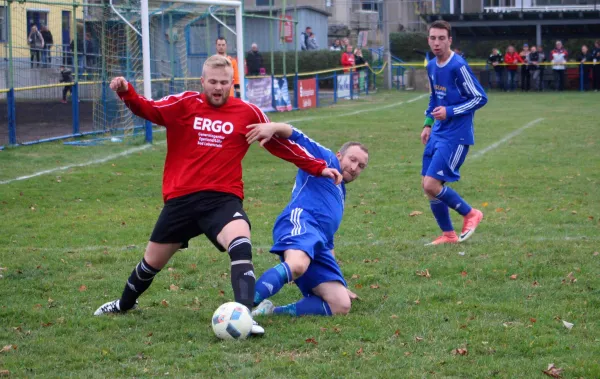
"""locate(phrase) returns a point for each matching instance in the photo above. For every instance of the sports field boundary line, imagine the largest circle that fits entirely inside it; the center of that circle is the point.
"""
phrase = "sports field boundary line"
(482, 152)
(144, 147)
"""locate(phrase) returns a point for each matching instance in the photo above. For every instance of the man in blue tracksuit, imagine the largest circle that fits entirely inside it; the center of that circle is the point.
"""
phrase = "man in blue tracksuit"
(303, 233)
(448, 133)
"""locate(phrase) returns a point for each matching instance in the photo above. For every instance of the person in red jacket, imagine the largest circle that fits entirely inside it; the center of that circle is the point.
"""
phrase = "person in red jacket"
(511, 59)
(202, 182)
(348, 59)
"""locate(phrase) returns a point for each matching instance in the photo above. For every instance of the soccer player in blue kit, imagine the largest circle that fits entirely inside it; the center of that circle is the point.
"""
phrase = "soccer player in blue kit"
(448, 133)
(303, 233)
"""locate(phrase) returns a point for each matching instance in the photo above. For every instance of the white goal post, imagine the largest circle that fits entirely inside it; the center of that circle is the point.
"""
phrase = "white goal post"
(145, 19)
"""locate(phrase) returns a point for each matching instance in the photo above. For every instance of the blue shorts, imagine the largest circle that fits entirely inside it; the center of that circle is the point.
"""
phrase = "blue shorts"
(298, 230)
(442, 160)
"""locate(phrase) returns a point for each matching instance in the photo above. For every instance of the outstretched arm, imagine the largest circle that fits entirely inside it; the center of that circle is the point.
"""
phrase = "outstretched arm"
(151, 110)
(287, 143)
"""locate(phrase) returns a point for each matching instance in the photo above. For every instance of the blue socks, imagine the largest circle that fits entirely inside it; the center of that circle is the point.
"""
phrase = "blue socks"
(453, 200)
(271, 282)
(312, 305)
(442, 215)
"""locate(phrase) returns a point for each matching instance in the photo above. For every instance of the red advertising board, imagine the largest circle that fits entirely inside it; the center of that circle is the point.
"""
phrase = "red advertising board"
(307, 93)
(286, 30)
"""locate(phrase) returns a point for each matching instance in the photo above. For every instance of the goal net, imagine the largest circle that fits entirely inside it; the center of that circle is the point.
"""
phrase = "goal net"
(180, 36)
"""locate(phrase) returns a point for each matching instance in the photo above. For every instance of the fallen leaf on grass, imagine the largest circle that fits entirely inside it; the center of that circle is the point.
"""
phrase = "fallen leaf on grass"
(596, 253)
(355, 276)
(374, 286)
(221, 293)
(311, 340)
(553, 371)
(8, 348)
(47, 324)
(514, 277)
(337, 330)
(484, 204)
(533, 320)
(393, 316)
(460, 351)
(535, 283)
(173, 287)
(567, 324)
(499, 210)
(570, 278)
(407, 353)
(164, 303)
(397, 333)
(463, 273)
(415, 213)
(358, 286)
(323, 330)
(359, 351)
(418, 339)
(82, 288)
(4, 373)
(425, 273)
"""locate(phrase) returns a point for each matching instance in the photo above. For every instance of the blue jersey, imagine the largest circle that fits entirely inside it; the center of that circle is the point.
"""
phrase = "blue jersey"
(318, 196)
(454, 86)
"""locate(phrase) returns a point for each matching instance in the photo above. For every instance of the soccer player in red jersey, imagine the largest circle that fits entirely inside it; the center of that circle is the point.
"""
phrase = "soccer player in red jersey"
(202, 181)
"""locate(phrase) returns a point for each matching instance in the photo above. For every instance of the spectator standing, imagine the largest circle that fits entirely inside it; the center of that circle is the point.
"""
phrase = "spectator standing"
(496, 60)
(36, 44)
(221, 47)
(533, 59)
(596, 61)
(337, 46)
(541, 66)
(360, 60)
(525, 83)
(65, 77)
(559, 58)
(512, 59)
(48, 42)
(304, 36)
(311, 43)
(348, 59)
(345, 43)
(254, 60)
(584, 57)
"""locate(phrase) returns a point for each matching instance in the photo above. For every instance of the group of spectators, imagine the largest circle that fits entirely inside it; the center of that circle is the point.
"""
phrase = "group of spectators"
(530, 64)
(40, 44)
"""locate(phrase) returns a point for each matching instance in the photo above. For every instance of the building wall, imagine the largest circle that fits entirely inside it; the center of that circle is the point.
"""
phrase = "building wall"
(19, 25)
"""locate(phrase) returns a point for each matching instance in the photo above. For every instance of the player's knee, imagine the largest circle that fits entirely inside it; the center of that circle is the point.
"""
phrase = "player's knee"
(340, 305)
(298, 267)
(431, 186)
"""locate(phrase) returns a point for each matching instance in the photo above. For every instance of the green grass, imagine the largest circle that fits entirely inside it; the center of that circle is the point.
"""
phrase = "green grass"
(69, 239)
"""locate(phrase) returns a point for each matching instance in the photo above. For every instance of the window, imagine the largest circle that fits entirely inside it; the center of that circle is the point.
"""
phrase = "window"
(37, 17)
(263, 3)
(370, 6)
(3, 26)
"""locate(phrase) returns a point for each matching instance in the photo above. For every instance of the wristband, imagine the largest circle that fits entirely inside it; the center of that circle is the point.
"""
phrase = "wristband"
(428, 121)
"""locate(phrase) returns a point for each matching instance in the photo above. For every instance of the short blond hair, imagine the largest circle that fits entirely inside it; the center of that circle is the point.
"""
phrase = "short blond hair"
(217, 61)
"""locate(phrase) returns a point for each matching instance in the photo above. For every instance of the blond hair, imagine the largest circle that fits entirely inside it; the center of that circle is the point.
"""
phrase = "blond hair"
(217, 61)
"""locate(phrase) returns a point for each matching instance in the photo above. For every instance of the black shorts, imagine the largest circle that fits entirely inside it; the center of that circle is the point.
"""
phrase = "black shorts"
(205, 212)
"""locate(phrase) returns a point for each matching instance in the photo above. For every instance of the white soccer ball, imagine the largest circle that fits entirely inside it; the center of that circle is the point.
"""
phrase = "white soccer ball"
(232, 321)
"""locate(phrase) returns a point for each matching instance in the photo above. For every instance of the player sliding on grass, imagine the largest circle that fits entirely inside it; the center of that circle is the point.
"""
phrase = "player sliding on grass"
(202, 183)
(303, 233)
(448, 132)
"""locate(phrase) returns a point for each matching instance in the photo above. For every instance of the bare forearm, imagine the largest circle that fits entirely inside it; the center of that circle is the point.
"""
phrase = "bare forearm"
(283, 130)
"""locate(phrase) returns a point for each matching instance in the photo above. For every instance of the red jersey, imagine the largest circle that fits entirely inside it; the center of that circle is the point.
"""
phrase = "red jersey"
(206, 144)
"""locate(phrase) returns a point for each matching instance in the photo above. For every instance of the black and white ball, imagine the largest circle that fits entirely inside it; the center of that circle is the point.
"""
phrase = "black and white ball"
(232, 321)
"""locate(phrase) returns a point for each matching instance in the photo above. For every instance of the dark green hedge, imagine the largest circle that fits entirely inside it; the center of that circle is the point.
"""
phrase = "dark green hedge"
(308, 61)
